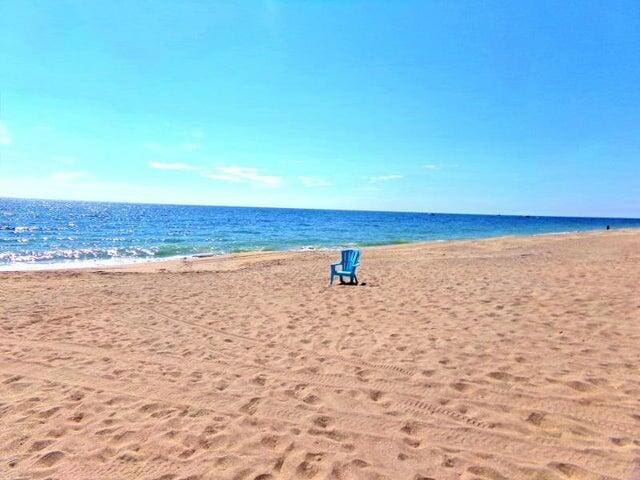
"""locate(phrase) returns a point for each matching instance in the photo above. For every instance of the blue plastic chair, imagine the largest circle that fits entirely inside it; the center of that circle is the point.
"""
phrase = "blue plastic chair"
(347, 267)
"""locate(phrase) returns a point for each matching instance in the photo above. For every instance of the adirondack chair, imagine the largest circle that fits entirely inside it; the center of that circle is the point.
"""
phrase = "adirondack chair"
(347, 267)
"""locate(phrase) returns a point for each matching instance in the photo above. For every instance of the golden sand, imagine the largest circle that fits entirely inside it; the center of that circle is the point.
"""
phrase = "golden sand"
(513, 358)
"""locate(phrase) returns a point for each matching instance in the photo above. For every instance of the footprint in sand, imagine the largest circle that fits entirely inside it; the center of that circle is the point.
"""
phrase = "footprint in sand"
(580, 386)
(375, 395)
(40, 445)
(574, 471)
(306, 470)
(486, 472)
(412, 442)
(322, 421)
(50, 459)
(502, 376)
(410, 428)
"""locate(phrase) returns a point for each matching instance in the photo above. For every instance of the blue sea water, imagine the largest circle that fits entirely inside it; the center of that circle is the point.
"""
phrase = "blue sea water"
(63, 233)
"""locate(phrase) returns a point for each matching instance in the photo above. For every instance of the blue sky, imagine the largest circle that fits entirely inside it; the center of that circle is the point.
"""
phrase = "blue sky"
(479, 107)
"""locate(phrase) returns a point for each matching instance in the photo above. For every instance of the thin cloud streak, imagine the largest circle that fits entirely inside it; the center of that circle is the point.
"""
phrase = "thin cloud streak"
(68, 176)
(233, 174)
(236, 174)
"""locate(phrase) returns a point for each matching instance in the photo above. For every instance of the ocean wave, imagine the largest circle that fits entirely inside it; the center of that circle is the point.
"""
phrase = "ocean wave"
(53, 255)
(313, 248)
(66, 254)
(73, 264)
(250, 249)
(173, 250)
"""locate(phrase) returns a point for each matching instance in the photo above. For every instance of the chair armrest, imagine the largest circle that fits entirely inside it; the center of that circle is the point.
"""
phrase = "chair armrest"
(336, 264)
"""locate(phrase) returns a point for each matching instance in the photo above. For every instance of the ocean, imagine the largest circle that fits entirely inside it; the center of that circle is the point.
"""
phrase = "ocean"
(44, 233)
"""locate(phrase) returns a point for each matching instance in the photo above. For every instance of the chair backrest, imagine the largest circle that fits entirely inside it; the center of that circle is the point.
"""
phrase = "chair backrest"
(350, 259)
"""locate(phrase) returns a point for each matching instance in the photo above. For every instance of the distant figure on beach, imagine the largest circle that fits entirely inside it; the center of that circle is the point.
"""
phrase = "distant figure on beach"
(607, 227)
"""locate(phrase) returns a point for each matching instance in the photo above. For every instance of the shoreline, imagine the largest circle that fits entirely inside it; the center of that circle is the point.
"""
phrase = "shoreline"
(132, 262)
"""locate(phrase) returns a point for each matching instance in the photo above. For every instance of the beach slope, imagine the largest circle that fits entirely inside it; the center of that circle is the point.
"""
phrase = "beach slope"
(511, 358)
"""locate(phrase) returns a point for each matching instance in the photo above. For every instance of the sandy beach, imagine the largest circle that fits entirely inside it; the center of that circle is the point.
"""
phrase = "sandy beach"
(510, 358)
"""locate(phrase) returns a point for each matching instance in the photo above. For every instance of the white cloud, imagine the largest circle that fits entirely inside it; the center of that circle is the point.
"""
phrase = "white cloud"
(314, 182)
(226, 174)
(384, 178)
(171, 166)
(244, 175)
(68, 176)
(5, 137)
